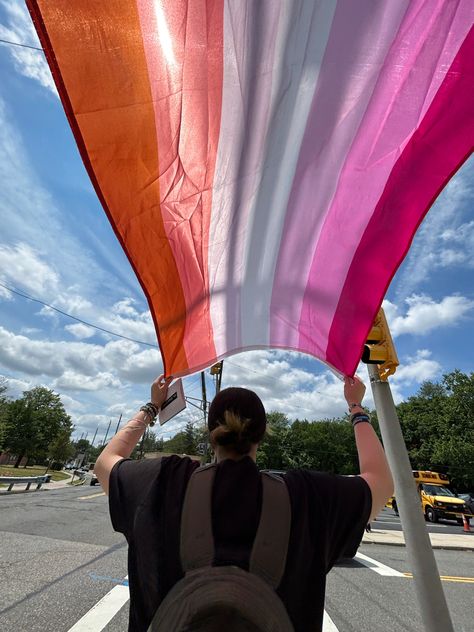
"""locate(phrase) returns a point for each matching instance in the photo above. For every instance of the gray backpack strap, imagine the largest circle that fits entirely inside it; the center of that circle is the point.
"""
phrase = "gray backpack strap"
(197, 543)
(270, 547)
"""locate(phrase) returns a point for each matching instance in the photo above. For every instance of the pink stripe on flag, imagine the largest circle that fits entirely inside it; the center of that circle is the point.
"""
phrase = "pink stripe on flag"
(347, 77)
(389, 122)
(442, 142)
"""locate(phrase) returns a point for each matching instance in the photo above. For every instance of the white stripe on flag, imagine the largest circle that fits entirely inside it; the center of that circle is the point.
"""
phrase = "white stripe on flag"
(262, 126)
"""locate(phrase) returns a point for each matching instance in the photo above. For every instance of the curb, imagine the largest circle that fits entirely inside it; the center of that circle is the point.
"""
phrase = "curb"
(449, 542)
(445, 547)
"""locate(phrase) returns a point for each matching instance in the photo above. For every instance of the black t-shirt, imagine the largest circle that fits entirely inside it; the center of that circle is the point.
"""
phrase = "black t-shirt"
(328, 513)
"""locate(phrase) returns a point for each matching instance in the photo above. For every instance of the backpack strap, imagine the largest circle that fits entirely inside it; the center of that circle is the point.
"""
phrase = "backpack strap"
(270, 547)
(196, 542)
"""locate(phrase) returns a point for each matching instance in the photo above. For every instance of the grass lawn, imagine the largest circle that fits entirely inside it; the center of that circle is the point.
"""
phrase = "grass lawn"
(9, 470)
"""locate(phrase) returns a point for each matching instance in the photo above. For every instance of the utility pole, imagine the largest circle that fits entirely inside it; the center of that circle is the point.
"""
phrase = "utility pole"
(118, 424)
(141, 450)
(381, 358)
(204, 396)
(107, 433)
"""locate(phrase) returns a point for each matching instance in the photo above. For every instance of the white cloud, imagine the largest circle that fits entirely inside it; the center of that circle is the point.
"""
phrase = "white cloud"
(80, 331)
(417, 369)
(284, 387)
(5, 295)
(413, 371)
(27, 331)
(142, 367)
(424, 314)
(55, 358)
(20, 29)
(71, 381)
(16, 387)
(23, 267)
(443, 240)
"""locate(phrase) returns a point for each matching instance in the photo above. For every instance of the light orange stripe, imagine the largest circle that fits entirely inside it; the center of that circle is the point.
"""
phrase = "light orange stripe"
(183, 44)
(95, 50)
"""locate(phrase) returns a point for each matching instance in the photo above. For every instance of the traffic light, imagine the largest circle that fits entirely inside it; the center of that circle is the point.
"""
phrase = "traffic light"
(216, 369)
(379, 348)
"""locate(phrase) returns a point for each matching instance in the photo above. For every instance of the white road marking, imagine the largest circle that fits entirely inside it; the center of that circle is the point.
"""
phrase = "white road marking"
(378, 523)
(328, 624)
(91, 496)
(377, 567)
(104, 611)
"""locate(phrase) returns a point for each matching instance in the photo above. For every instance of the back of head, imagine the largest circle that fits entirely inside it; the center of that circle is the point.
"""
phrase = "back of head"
(237, 419)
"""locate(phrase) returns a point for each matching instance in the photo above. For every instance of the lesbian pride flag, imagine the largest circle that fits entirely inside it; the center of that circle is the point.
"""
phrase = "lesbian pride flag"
(264, 163)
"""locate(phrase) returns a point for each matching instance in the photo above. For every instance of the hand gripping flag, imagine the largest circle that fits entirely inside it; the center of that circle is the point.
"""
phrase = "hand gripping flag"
(266, 164)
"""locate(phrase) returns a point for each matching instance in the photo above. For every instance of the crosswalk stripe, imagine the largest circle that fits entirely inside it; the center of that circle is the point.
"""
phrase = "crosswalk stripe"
(104, 611)
(377, 567)
(328, 623)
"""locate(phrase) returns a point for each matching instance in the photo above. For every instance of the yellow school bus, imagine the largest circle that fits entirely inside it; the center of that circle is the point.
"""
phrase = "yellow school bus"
(437, 500)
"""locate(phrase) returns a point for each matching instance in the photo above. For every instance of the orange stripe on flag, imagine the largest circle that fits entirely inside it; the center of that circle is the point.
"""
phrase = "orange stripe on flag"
(101, 73)
(184, 49)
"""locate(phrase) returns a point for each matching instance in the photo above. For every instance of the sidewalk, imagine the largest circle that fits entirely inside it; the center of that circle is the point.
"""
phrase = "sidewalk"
(59, 484)
(460, 542)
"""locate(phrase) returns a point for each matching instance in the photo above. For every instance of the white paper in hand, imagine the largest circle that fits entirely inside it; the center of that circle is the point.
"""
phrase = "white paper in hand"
(174, 402)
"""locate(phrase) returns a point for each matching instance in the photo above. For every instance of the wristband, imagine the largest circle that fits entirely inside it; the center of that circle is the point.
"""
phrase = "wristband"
(359, 418)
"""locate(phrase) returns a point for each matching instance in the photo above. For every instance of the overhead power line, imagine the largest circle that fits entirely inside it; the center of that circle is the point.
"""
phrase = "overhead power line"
(3, 41)
(79, 320)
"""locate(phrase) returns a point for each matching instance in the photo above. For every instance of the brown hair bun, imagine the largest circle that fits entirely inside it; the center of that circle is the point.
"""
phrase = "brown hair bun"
(237, 419)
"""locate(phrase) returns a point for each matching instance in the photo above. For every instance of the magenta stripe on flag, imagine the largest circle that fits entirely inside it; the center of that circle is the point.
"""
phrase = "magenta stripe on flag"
(440, 145)
(415, 61)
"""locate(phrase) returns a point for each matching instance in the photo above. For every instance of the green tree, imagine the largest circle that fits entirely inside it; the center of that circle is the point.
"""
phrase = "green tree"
(271, 454)
(60, 449)
(422, 418)
(453, 447)
(22, 433)
(3, 411)
(184, 442)
(82, 446)
(33, 423)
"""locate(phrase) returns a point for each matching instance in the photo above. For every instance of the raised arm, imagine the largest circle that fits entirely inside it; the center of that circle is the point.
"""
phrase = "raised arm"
(372, 460)
(122, 444)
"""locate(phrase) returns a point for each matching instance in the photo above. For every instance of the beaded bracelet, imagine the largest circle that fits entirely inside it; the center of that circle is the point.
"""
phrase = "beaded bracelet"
(151, 410)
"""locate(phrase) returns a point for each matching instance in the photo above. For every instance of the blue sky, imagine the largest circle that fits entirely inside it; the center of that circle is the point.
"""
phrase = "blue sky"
(56, 245)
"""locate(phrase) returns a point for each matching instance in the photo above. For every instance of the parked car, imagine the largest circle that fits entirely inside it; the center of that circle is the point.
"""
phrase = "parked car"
(94, 480)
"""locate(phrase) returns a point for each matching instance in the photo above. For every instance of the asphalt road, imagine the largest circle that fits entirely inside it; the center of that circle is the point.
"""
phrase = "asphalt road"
(59, 558)
(388, 520)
